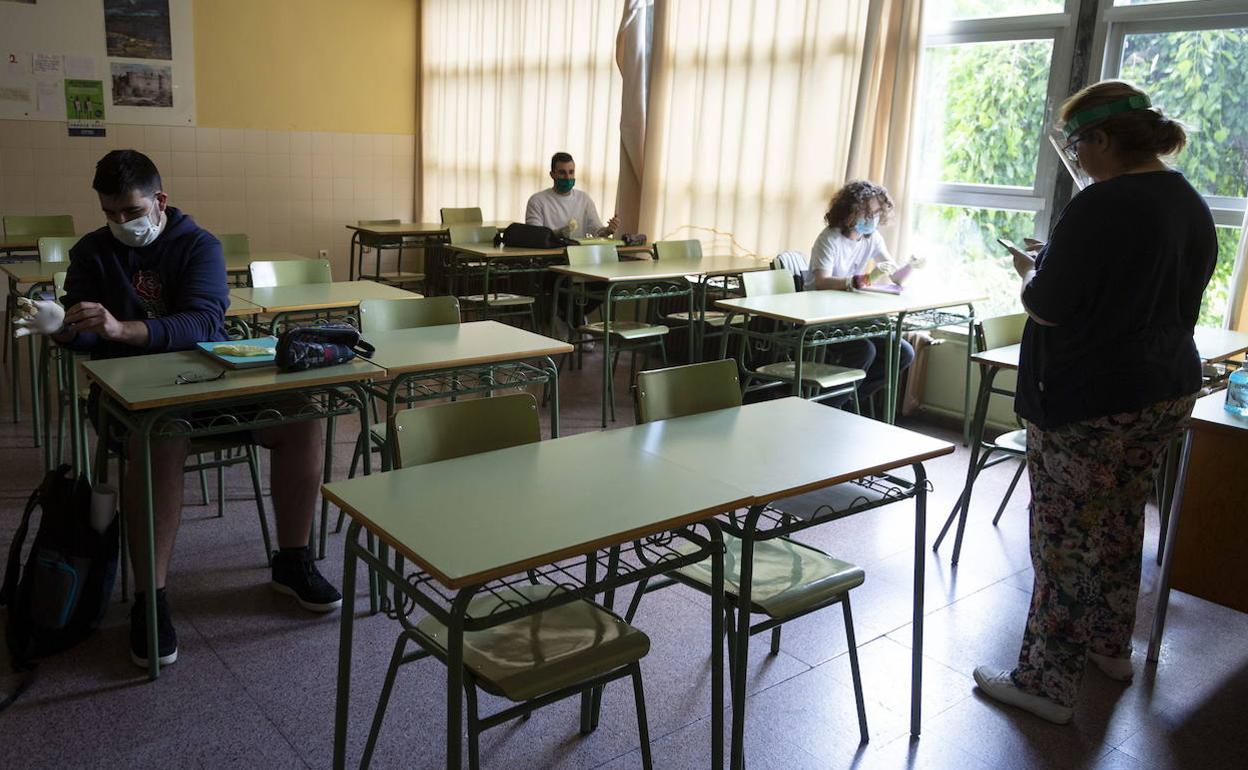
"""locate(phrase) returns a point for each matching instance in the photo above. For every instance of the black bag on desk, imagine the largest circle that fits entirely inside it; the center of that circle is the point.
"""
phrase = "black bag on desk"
(310, 347)
(533, 237)
(67, 581)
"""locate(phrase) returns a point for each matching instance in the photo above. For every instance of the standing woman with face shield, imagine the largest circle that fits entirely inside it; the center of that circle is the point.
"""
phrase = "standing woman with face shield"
(1108, 373)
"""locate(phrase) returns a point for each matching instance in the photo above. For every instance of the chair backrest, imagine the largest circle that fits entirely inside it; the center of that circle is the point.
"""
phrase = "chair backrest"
(53, 224)
(691, 389)
(289, 272)
(383, 315)
(58, 284)
(56, 248)
(593, 254)
(467, 216)
(471, 234)
(1001, 330)
(762, 283)
(691, 249)
(428, 434)
(235, 244)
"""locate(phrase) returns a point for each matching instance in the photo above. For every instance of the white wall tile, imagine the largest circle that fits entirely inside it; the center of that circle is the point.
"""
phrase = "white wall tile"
(208, 140)
(156, 139)
(182, 138)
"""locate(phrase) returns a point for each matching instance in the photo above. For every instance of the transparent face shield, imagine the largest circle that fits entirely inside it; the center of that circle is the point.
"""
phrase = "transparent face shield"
(1065, 150)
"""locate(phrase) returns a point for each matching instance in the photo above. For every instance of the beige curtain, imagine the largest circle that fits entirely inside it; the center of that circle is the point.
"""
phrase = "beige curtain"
(749, 119)
(886, 109)
(507, 83)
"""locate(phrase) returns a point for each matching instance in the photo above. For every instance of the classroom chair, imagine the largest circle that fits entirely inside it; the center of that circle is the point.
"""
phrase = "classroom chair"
(554, 654)
(38, 226)
(383, 243)
(631, 336)
(790, 579)
(820, 381)
(489, 303)
(464, 216)
(222, 448)
(51, 250)
(718, 287)
(289, 272)
(990, 333)
(235, 244)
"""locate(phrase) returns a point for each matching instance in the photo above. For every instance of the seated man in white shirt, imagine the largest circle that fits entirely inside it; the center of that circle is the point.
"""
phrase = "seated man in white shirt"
(565, 210)
(569, 212)
(841, 257)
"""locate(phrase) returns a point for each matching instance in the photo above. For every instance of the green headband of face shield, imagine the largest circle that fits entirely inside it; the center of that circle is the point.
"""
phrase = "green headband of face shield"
(1093, 114)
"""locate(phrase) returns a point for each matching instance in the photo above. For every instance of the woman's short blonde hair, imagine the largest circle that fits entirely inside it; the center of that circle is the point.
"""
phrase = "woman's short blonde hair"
(1139, 134)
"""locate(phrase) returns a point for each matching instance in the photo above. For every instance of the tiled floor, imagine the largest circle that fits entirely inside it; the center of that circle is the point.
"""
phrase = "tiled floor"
(254, 682)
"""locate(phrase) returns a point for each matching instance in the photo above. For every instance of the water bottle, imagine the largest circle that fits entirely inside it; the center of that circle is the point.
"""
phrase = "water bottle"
(1237, 392)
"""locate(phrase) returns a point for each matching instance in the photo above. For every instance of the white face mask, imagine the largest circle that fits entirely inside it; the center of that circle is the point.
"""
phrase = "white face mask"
(140, 231)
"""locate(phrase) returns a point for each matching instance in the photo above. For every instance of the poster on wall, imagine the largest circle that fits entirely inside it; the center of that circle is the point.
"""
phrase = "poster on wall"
(84, 106)
(142, 85)
(138, 29)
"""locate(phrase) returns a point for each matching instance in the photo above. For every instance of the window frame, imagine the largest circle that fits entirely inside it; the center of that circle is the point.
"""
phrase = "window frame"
(1058, 27)
(1113, 25)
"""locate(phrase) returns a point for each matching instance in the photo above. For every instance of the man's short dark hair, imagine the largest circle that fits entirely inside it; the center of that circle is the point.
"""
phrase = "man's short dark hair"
(121, 171)
(560, 157)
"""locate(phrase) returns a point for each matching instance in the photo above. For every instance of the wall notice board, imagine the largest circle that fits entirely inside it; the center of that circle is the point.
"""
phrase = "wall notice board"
(140, 50)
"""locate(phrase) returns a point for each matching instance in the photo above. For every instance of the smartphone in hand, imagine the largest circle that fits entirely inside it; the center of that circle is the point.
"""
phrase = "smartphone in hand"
(1010, 246)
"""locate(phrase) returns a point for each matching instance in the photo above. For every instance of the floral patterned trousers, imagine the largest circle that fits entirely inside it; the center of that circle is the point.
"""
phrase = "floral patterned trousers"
(1089, 483)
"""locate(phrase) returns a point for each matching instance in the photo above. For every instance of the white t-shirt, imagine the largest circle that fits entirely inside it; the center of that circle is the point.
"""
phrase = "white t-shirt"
(842, 257)
(550, 209)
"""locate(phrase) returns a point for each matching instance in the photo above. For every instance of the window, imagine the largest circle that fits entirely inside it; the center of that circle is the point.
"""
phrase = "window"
(1189, 57)
(990, 72)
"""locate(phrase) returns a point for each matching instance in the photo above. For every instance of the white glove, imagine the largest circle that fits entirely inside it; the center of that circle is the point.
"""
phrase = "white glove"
(570, 228)
(38, 317)
(886, 267)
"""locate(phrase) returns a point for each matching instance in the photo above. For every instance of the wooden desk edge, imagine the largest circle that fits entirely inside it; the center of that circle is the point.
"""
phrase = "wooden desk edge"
(485, 576)
(139, 406)
(394, 371)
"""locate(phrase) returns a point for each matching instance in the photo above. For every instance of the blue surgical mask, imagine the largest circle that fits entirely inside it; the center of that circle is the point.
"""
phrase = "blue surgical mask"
(866, 226)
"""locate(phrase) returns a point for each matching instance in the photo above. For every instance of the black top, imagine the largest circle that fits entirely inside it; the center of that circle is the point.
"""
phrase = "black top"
(1122, 278)
(176, 285)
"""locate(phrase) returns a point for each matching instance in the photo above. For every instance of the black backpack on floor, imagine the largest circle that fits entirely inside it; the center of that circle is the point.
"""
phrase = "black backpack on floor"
(67, 581)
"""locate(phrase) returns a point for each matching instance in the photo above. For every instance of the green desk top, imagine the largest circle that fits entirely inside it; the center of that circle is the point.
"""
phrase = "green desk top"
(19, 242)
(238, 263)
(784, 447)
(479, 517)
(471, 344)
(146, 382)
(476, 518)
(829, 306)
(1004, 357)
(241, 307)
(1219, 344)
(34, 271)
(490, 251)
(420, 228)
(1210, 412)
(319, 296)
(1213, 345)
(656, 269)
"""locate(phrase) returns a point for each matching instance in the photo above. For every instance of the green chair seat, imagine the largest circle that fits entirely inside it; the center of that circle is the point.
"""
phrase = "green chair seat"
(499, 299)
(789, 578)
(1014, 441)
(713, 318)
(823, 375)
(400, 276)
(542, 653)
(625, 330)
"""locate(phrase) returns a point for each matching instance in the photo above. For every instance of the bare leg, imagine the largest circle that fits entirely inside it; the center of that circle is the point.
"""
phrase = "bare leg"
(168, 459)
(295, 477)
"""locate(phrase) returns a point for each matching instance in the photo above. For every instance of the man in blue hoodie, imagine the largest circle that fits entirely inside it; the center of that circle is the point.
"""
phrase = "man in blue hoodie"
(153, 281)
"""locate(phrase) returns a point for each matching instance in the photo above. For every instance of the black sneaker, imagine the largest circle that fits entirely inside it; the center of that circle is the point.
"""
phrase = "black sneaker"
(167, 637)
(295, 573)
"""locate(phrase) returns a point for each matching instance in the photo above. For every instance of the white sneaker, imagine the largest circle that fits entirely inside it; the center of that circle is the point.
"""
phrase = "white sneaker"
(1118, 669)
(999, 686)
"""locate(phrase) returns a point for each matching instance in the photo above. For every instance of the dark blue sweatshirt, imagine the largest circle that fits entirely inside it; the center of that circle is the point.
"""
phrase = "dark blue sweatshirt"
(176, 285)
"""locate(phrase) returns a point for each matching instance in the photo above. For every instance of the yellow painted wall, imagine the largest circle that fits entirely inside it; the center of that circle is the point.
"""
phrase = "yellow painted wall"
(307, 65)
